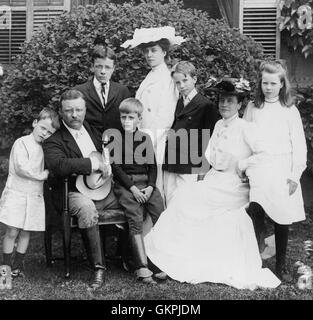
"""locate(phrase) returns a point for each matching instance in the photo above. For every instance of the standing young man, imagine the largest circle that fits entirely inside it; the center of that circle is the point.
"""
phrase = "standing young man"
(102, 95)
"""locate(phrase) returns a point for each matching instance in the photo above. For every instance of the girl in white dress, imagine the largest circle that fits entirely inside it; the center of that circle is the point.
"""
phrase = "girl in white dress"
(205, 234)
(157, 92)
(22, 207)
(274, 183)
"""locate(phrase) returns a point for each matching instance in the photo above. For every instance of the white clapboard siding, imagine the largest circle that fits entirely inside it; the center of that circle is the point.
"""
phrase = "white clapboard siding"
(43, 11)
(258, 19)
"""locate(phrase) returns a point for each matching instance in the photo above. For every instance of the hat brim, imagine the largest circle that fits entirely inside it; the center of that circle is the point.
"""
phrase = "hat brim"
(133, 43)
(221, 91)
(94, 194)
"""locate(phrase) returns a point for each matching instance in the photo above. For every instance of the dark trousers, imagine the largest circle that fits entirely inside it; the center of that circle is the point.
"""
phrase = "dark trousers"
(134, 211)
(257, 214)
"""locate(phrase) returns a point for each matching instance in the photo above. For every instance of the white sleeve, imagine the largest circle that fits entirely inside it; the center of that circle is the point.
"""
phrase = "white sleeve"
(208, 152)
(23, 165)
(248, 112)
(252, 137)
(167, 100)
(212, 138)
(299, 148)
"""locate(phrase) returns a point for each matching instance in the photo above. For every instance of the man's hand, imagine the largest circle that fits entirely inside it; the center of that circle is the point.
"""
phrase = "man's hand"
(139, 196)
(104, 169)
(98, 164)
(292, 186)
(147, 192)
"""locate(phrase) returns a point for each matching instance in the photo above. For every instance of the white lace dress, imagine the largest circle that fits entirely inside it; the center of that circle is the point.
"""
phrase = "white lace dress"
(205, 235)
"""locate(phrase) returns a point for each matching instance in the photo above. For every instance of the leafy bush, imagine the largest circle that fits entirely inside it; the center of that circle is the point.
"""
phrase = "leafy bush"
(295, 22)
(4, 167)
(56, 58)
(304, 97)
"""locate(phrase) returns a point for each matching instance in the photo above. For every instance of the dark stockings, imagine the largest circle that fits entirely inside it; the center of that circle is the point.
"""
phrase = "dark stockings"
(257, 214)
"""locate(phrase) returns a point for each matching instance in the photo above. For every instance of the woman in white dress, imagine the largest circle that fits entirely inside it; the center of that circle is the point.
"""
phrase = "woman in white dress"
(157, 91)
(205, 234)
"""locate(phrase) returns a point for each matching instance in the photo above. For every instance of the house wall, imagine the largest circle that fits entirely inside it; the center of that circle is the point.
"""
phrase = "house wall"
(300, 68)
(209, 6)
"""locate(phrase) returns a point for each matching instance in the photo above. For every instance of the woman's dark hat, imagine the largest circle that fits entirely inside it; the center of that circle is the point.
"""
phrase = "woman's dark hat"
(232, 86)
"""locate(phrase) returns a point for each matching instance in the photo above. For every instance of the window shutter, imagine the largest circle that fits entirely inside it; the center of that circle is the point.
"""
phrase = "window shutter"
(258, 20)
(43, 11)
(11, 39)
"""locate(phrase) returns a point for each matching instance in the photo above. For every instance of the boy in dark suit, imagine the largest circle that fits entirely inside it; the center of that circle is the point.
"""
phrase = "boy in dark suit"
(102, 95)
(184, 150)
(135, 171)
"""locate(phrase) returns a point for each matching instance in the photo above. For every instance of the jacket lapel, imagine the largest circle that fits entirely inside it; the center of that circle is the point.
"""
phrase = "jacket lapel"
(112, 93)
(97, 143)
(70, 142)
(179, 106)
(193, 104)
(93, 95)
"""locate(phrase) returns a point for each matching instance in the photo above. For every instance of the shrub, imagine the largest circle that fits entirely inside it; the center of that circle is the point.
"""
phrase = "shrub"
(295, 23)
(4, 167)
(304, 98)
(56, 58)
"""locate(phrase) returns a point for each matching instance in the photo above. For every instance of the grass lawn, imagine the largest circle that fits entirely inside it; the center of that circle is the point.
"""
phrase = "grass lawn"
(42, 283)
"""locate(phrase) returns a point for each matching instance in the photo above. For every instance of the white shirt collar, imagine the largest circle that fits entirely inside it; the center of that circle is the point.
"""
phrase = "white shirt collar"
(190, 96)
(229, 121)
(97, 85)
(74, 132)
(160, 67)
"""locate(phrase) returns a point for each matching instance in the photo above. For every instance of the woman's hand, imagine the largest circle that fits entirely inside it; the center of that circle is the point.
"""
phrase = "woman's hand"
(241, 174)
(139, 196)
(292, 186)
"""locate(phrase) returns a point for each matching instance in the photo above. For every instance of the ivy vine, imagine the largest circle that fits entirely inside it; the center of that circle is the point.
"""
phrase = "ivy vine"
(295, 23)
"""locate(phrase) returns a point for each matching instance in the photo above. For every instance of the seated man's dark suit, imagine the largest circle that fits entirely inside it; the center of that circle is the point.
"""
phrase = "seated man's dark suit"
(64, 158)
(101, 118)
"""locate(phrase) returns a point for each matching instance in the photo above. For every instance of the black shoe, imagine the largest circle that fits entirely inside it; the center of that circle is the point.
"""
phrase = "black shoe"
(283, 275)
(98, 280)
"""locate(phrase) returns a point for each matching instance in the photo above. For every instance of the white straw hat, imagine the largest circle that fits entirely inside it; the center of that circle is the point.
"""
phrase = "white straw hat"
(146, 35)
(94, 186)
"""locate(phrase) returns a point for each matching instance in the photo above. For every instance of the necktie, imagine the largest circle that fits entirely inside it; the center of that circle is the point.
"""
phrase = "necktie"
(186, 101)
(78, 134)
(103, 93)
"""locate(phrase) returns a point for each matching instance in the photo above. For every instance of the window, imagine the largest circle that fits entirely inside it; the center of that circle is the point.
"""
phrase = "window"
(25, 20)
(258, 20)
